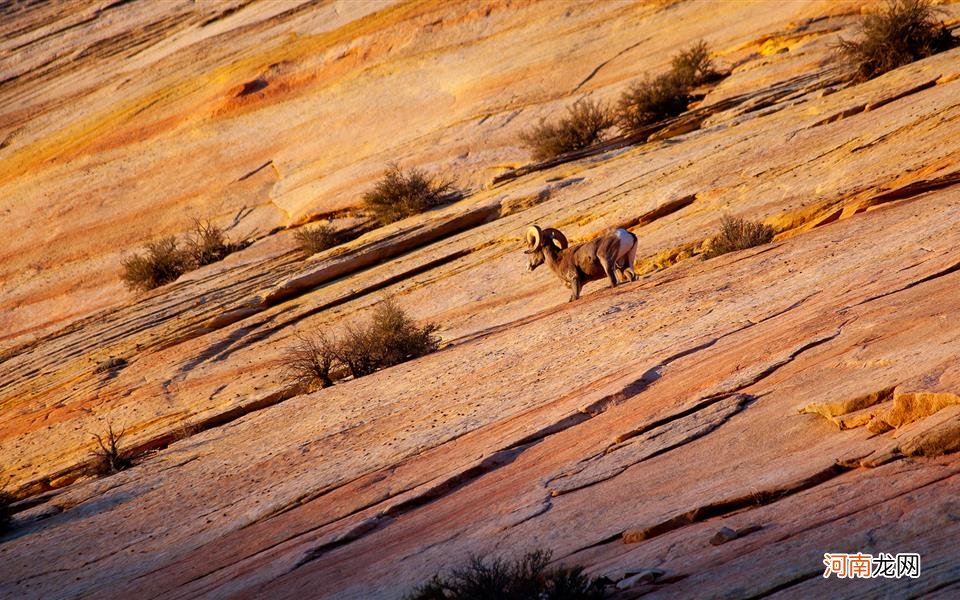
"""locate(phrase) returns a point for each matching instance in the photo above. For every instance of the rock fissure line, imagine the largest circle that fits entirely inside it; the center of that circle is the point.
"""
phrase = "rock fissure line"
(793, 581)
(762, 99)
(720, 509)
(706, 401)
(653, 374)
(510, 453)
(868, 106)
(941, 273)
(71, 473)
(740, 402)
(596, 69)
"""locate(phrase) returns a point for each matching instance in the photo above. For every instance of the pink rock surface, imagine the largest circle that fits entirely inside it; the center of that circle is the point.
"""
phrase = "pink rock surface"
(621, 431)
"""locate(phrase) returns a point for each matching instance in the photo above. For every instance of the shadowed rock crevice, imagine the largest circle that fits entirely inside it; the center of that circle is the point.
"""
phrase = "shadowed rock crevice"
(650, 444)
(941, 273)
(734, 385)
(712, 510)
(875, 104)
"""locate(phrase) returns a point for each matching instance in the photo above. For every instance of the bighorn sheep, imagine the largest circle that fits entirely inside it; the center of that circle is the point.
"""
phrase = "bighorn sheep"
(603, 256)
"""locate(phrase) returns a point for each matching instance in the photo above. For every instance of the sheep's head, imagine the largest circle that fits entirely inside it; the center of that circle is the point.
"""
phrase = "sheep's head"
(539, 240)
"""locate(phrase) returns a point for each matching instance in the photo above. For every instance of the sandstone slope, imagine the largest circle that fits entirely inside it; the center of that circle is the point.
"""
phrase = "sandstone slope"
(805, 391)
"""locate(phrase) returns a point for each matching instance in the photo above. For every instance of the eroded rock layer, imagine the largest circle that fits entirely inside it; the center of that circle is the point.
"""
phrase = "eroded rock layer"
(716, 426)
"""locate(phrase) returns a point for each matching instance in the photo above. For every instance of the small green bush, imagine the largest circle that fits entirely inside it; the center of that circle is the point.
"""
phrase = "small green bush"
(109, 458)
(162, 262)
(899, 33)
(525, 579)
(400, 194)
(667, 95)
(317, 239)
(585, 124)
(738, 234)
(391, 337)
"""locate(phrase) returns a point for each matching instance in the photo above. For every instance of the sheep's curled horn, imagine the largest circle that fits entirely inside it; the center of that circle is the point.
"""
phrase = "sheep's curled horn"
(535, 238)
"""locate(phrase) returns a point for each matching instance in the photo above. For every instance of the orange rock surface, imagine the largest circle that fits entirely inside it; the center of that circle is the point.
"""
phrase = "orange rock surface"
(802, 394)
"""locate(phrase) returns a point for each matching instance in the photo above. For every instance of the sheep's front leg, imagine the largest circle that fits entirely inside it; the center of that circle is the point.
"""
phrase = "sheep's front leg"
(575, 286)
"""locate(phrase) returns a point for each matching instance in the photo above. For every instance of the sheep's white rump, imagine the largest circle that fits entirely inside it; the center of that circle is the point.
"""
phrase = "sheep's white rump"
(626, 241)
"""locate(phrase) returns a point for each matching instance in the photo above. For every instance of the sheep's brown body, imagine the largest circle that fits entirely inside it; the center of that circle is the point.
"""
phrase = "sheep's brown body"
(605, 256)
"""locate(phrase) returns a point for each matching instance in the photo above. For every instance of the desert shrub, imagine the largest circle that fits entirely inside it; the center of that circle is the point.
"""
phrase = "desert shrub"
(738, 234)
(308, 362)
(523, 579)
(162, 262)
(399, 194)
(208, 244)
(317, 239)
(109, 458)
(658, 98)
(693, 67)
(357, 351)
(651, 100)
(389, 338)
(585, 124)
(900, 32)
(395, 337)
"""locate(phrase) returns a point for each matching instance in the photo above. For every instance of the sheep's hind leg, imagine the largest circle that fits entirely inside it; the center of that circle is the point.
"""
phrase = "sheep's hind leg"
(629, 259)
(621, 274)
(609, 267)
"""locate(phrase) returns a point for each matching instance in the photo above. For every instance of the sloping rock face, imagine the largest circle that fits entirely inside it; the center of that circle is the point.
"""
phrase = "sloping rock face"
(718, 424)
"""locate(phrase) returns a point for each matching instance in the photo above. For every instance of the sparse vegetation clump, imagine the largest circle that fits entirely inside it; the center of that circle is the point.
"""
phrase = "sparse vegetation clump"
(394, 337)
(899, 33)
(309, 361)
(400, 194)
(209, 244)
(585, 124)
(391, 337)
(524, 579)
(667, 95)
(109, 458)
(162, 262)
(651, 100)
(738, 234)
(693, 67)
(317, 239)
(165, 260)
